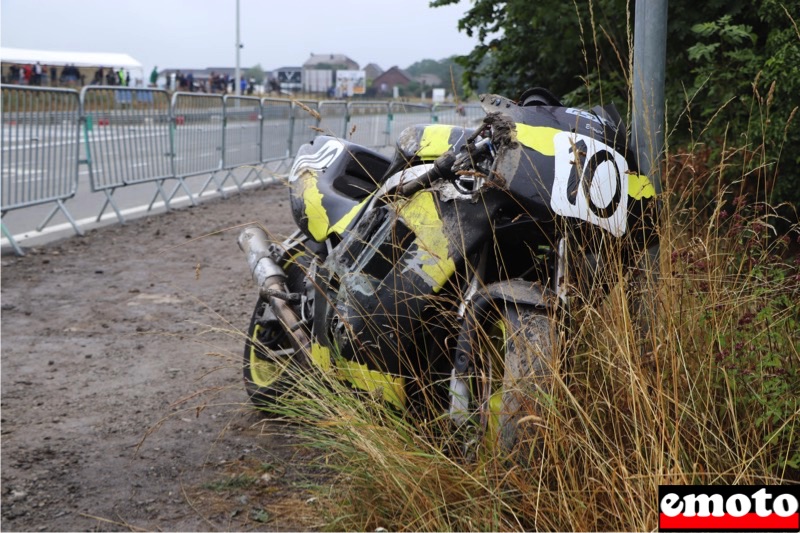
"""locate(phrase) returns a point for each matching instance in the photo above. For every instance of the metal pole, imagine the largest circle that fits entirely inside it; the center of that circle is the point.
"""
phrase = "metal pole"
(649, 62)
(238, 88)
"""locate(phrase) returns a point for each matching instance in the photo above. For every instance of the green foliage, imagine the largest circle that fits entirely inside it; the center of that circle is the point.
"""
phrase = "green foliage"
(733, 70)
(255, 72)
(446, 69)
(754, 335)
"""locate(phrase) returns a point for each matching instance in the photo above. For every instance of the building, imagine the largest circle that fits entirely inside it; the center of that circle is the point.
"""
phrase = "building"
(386, 82)
(289, 78)
(372, 71)
(430, 80)
(329, 62)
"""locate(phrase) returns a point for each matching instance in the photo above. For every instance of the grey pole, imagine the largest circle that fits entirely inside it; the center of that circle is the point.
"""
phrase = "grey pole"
(237, 90)
(649, 63)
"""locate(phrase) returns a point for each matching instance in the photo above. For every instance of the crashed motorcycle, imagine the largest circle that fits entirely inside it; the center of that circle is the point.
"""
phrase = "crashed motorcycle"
(439, 276)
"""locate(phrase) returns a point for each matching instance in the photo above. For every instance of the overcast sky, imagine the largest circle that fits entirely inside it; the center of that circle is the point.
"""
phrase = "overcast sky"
(202, 33)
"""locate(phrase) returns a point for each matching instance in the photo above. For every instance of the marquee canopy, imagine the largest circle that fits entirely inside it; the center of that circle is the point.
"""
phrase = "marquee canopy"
(79, 59)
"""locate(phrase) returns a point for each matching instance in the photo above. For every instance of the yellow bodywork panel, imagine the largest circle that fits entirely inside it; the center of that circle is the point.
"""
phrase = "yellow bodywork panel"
(360, 376)
(435, 141)
(392, 387)
(540, 138)
(319, 224)
(422, 217)
(320, 356)
(639, 187)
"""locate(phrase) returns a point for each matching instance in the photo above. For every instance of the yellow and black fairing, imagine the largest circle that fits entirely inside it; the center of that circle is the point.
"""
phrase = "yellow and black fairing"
(424, 143)
(372, 322)
(330, 183)
(388, 292)
(567, 166)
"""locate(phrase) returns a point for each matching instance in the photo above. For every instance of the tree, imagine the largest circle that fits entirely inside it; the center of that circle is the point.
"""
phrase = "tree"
(447, 70)
(735, 60)
(256, 72)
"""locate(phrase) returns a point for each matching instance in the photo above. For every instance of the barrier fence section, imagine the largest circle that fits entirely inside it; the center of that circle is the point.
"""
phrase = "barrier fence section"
(368, 123)
(129, 136)
(304, 125)
(403, 115)
(40, 151)
(276, 129)
(197, 137)
(241, 143)
(464, 115)
(128, 139)
(332, 118)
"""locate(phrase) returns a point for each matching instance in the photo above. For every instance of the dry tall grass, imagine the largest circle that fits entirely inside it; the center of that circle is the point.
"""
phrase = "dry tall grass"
(706, 393)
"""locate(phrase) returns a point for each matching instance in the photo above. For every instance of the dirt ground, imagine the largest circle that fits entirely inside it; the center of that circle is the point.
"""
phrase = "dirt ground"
(122, 401)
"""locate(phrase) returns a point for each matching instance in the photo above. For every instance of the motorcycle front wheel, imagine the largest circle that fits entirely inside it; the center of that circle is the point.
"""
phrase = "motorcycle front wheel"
(267, 357)
(515, 358)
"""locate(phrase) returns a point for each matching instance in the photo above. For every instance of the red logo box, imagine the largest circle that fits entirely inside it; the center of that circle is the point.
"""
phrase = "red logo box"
(729, 508)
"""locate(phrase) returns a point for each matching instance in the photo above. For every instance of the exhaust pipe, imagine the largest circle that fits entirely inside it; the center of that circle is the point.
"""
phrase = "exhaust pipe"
(266, 272)
(271, 281)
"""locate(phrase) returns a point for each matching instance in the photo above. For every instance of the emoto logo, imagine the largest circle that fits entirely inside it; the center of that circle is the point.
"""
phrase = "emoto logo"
(728, 508)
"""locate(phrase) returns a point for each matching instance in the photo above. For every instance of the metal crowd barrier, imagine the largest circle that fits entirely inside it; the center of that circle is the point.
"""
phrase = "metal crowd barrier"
(40, 154)
(368, 123)
(465, 115)
(241, 141)
(304, 125)
(332, 118)
(403, 115)
(197, 137)
(132, 136)
(123, 124)
(276, 129)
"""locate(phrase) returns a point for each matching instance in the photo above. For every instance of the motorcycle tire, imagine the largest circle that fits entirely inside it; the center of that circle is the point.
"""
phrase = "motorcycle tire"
(520, 348)
(265, 375)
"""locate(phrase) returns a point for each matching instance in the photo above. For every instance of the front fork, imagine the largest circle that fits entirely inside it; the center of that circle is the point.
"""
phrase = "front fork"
(460, 395)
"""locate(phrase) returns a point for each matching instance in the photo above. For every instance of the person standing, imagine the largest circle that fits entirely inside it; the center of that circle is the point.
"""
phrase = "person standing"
(36, 78)
(53, 76)
(154, 77)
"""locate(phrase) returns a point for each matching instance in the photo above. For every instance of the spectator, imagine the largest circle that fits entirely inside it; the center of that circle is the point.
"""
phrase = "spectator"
(111, 77)
(27, 74)
(190, 82)
(53, 76)
(154, 77)
(36, 77)
(98, 77)
(121, 76)
(242, 85)
(13, 74)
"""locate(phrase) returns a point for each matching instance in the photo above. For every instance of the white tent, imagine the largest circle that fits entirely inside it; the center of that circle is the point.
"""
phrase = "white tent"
(79, 59)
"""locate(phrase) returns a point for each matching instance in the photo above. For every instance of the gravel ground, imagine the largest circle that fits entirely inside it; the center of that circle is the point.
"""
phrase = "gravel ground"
(122, 401)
